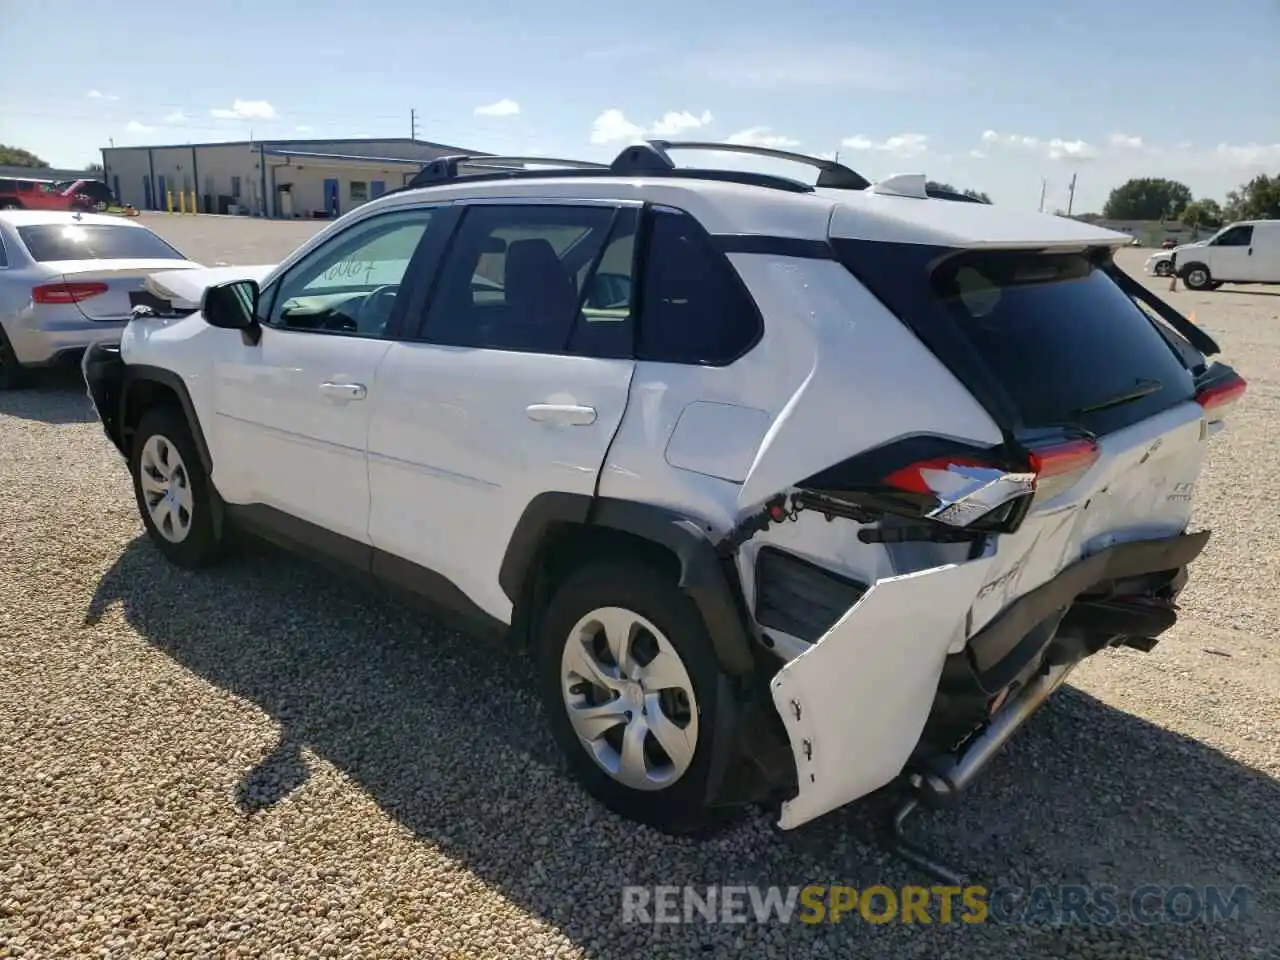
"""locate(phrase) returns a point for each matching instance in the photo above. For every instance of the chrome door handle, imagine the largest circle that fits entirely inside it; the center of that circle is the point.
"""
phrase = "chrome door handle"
(572, 414)
(347, 391)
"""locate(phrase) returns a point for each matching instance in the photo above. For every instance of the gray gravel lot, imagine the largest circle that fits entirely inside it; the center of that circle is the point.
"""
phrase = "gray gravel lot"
(262, 761)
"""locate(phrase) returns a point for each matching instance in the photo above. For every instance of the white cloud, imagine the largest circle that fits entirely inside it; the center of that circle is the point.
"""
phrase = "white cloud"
(177, 116)
(676, 122)
(99, 95)
(302, 128)
(977, 154)
(246, 110)
(902, 145)
(1126, 141)
(503, 108)
(135, 127)
(612, 125)
(762, 137)
(1054, 149)
(1249, 154)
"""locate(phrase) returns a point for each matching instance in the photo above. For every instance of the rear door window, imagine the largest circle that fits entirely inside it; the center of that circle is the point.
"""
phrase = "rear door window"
(94, 241)
(523, 278)
(1063, 340)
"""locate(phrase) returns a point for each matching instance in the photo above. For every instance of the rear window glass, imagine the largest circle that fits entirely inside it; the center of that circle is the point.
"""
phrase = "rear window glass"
(1065, 342)
(94, 241)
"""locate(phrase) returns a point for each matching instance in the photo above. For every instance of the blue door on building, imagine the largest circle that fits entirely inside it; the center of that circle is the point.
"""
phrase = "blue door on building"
(162, 201)
(115, 187)
(377, 188)
(147, 202)
(331, 197)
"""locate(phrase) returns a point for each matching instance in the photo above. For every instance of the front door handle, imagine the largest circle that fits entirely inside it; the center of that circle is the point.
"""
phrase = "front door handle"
(572, 414)
(345, 391)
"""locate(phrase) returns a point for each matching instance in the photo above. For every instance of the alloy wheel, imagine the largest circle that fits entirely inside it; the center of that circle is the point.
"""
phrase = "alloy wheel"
(166, 488)
(629, 698)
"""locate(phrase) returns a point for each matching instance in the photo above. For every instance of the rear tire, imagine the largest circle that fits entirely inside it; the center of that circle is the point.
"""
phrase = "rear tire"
(12, 374)
(1196, 276)
(640, 738)
(177, 502)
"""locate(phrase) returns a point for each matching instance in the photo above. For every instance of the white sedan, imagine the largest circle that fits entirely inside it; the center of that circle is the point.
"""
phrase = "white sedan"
(66, 281)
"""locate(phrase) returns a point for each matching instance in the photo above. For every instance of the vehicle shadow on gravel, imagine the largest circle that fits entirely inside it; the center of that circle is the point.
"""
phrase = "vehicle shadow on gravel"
(446, 734)
(53, 398)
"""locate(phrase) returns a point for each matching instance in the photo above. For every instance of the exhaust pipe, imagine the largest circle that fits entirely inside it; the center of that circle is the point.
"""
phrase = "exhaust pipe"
(944, 777)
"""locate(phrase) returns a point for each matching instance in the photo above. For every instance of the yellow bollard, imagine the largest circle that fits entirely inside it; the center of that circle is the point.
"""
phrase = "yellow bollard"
(168, 200)
(182, 201)
(195, 207)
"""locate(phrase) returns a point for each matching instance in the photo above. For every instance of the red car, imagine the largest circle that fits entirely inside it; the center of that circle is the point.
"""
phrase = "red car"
(1168, 244)
(18, 194)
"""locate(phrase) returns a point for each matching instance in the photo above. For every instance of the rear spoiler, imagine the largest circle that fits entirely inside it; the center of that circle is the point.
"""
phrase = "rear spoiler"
(1193, 334)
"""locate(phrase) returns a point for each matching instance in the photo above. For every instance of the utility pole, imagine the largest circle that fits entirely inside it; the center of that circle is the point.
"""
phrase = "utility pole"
(413, 124)
(1071, 197)
(1044, 187)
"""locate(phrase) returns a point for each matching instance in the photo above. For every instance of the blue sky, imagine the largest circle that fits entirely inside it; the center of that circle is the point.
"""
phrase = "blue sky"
(985, 94)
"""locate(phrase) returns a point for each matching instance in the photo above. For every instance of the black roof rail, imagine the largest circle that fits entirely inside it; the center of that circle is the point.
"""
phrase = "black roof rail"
(445, 169)
(651, 157)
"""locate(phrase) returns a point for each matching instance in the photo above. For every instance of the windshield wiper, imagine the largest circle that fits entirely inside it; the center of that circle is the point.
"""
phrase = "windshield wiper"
(1144, 388)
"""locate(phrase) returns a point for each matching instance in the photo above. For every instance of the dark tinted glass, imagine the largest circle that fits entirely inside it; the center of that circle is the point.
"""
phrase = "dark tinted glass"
(694, 308)
(1236, 237)
(513, 276)
(1061, 338)
(94, 241)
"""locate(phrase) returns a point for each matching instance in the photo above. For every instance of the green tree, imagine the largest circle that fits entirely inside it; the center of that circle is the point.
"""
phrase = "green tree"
(94, 169)
(1147, 198)
(1202, 213)
(17, 157)
(948, 188)
(1259, 199)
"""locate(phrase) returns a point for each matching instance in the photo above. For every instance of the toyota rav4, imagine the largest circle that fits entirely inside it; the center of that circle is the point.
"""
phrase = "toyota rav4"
(794, 491)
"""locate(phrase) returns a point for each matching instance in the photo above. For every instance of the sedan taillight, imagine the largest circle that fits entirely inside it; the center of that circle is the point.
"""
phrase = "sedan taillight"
(66, 292)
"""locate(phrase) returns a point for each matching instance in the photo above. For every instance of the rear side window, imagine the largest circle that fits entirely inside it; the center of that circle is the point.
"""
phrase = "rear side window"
(1062, 339)
(694, 308)
(94, 241)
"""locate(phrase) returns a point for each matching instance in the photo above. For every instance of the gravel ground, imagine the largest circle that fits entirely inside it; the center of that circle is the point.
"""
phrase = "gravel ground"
(262, 761)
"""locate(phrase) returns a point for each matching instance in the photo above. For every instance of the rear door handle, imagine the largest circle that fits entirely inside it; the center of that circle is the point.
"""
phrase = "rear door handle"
(345, 391)
(572, 414)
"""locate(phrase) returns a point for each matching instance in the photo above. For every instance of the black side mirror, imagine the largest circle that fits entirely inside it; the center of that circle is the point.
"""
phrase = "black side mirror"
(233, 306)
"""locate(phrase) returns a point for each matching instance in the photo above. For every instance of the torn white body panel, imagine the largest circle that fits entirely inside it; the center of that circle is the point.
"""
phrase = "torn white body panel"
(855, 703)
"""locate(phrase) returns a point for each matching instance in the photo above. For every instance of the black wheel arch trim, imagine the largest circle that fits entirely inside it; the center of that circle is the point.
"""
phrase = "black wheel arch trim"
(140, 372)
(704, 576)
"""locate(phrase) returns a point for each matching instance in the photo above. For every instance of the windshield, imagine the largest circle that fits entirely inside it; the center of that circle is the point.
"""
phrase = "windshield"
(94, 241)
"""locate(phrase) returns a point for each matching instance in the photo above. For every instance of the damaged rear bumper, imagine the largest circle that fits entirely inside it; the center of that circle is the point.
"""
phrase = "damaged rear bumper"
(856, 704)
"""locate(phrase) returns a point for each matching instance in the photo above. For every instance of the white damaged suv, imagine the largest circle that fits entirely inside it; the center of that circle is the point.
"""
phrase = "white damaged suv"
(793, 491)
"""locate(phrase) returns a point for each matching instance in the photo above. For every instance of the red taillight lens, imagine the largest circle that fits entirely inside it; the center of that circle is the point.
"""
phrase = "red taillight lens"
(1059, 465)
(1057, 459)
(1223, 393)
(912, 478)
(63, 293)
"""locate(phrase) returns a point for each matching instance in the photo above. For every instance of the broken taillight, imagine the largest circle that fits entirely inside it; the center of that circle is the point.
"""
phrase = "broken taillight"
(1223, 393)
(960, 490)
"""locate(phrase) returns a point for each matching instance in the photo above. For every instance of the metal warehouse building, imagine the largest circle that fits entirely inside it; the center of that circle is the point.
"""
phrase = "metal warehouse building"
(268, 178)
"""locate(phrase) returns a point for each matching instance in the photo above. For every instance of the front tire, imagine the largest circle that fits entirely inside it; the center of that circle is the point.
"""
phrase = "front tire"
(631, 687)
(1197, 277)
(175, 497)
(1162, 269)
